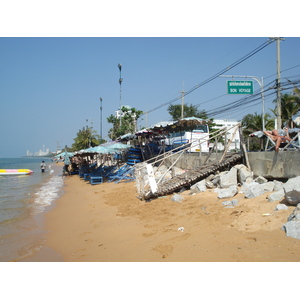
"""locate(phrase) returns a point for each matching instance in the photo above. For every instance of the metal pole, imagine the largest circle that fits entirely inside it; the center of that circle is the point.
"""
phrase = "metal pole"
(182, 104)
(182, 101)
(100, 120)
(278, 85)
(120, 82)
(263, 103)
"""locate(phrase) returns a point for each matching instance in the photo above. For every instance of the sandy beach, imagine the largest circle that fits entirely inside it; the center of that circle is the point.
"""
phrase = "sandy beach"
(108, 223)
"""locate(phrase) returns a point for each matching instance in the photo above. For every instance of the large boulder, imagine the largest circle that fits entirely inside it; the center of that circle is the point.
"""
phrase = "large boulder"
(280, 207)
(260, 179)
(228, 178)
(243, 174)
(199, 186)
(276, 196)
(252, 190)
(295, 215)
(292, 229)
(278, 185)
(292, 190)
(229, 192)
(268, 186)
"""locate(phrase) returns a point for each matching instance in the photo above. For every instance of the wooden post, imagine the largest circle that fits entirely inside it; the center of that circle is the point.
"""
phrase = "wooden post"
(228, 144)
(244, 150)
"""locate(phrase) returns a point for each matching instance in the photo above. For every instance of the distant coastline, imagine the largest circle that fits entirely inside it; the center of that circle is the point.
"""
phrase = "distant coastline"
(37, 156)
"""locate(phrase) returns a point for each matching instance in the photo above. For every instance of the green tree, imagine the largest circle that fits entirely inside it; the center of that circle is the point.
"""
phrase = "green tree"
(188, 111)
(85, 138)
(128, 122)
(252, 123)
(290, 105)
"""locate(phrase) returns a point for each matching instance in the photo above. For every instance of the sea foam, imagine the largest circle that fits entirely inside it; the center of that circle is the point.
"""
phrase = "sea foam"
(48, 192)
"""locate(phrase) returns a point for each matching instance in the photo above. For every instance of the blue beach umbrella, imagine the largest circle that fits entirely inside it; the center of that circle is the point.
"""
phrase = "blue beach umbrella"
(97, 149)
(63, 154)
(119, 146)
(102, 150)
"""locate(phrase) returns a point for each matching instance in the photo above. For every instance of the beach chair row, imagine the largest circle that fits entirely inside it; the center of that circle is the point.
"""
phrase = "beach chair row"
(112, 173)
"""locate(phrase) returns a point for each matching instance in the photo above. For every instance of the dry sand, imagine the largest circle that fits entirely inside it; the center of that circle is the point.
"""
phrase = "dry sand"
(108, 223)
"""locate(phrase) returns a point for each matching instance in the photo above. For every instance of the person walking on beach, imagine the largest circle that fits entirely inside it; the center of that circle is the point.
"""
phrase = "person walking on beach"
(43, 166)
(67, 163)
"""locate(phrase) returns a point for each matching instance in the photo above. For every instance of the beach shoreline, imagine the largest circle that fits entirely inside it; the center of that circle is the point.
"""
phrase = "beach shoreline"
(108, 223)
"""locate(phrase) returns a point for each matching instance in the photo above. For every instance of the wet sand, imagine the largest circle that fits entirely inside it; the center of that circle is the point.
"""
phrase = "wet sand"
(108, 223)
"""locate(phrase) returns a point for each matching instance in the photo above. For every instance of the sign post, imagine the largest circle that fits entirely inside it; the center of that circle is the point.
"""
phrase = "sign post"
(239, 87)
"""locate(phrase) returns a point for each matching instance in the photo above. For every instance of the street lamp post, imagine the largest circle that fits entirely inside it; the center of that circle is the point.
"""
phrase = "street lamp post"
(100, 120)
(261, 84)
(120, 82)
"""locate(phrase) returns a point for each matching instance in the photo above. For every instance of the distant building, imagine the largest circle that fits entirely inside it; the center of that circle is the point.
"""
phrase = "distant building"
(39, 153)
(120, 113)
(228, 123)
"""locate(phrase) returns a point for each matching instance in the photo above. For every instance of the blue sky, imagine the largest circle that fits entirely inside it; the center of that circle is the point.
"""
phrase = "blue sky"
(50, 86)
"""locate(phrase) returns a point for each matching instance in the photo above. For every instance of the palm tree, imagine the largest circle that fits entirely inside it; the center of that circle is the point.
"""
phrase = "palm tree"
(252, 123)
(85, 138)
(290, 106)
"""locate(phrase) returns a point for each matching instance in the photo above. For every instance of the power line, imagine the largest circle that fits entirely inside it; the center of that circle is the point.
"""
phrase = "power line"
(251, 100)
(256, 50)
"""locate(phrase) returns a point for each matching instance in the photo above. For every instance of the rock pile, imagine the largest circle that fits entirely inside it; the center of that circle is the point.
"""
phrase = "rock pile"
(226, 185)
(239, 178)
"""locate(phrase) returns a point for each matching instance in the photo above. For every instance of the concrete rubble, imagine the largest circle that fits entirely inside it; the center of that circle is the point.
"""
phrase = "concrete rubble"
(240, 179)
(292, 227)
(292, 190)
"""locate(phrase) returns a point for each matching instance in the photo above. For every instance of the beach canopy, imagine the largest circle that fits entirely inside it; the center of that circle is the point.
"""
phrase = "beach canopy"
(64, 154)
(185, 124)
(118, 146)
(96, 150)
(107, 148)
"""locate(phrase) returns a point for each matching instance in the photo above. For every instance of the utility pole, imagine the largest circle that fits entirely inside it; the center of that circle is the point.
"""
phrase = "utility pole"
(100, 120)
(182, 101)
(278, 87)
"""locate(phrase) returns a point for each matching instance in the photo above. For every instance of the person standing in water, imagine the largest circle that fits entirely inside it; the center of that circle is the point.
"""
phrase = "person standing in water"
(43, 166)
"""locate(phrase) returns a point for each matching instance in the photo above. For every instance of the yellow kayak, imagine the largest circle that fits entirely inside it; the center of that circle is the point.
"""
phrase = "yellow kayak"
(15, 172)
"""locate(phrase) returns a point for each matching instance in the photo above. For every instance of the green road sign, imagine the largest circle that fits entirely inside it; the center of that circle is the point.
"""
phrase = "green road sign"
(239, 87)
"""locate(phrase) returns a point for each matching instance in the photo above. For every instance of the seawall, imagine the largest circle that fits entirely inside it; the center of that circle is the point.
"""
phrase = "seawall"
(282, 164)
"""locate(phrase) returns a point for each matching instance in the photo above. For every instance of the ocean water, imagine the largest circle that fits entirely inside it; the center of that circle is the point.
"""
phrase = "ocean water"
(23, 201)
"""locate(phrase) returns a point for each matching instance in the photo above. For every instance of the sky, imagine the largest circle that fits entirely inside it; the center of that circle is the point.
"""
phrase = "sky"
(51, 84)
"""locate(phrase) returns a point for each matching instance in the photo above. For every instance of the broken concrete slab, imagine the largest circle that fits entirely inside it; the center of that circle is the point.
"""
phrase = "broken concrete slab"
(292, 190)
(229, 178)
(260, 179)
(229, 192)
(252, 190)
(243, 174)
(292, 229)
(276, 196)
